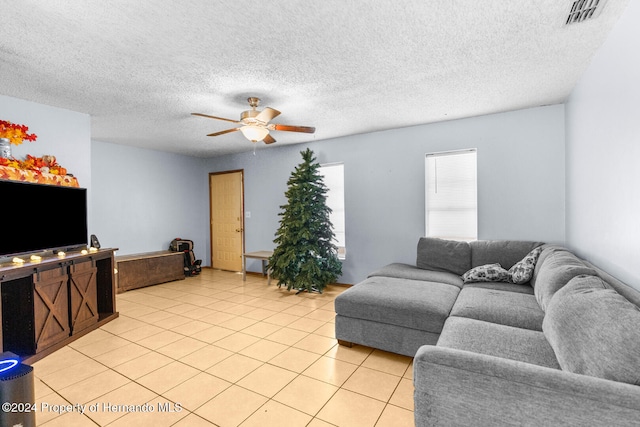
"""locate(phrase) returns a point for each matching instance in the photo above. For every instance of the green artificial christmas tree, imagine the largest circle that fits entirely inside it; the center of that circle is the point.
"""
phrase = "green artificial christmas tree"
(305, 258)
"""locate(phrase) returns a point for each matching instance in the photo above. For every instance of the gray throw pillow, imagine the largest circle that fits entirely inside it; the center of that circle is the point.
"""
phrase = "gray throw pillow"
(486, 273)
(522, 271)
(593, 330)
(443, 255)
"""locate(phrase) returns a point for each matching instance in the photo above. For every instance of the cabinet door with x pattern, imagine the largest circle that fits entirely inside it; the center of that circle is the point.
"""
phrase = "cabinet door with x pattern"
(51, 307)
(83, 296)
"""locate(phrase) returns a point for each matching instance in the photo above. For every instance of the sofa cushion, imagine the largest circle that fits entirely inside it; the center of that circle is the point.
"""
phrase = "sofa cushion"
(522, 271)
(557, 269)
(501, 286)
(498, 340)
(623, 289)
(504, 252)
(547, 250)
(396, 339)
(406, 271)
(486, 273)
(506, 308)
(402, 302)
(594, 330)
(443, 255)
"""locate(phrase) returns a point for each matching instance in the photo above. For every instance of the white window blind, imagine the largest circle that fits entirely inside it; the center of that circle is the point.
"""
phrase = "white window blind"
(451, 195)
(333, 175)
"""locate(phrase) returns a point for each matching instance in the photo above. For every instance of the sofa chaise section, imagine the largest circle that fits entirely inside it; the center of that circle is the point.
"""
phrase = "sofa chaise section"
(393, 314)
(401, 307)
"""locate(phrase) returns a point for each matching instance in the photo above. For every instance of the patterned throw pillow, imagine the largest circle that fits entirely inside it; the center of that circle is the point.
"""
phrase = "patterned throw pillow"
(522, 271)
(486, 273)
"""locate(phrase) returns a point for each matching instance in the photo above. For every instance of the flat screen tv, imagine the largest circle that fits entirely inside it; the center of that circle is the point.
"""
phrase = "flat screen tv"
(37, 218)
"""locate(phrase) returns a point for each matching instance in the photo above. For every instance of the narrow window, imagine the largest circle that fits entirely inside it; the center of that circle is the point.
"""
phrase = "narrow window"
(333, 175)
(451, 195)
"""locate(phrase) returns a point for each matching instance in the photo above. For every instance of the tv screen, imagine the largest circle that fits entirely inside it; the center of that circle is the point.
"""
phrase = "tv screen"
(36, 218)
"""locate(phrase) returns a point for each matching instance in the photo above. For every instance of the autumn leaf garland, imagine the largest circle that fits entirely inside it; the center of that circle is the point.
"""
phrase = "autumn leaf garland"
(15, 133)
(44, 164)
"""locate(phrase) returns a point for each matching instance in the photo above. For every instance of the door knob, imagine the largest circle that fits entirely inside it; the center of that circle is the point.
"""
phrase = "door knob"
(238, 230)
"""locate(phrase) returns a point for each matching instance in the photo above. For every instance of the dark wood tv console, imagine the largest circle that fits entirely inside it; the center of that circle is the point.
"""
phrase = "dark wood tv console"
(49, 303)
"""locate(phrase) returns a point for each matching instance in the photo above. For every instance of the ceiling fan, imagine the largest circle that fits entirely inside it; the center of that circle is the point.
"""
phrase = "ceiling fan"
(255, 124)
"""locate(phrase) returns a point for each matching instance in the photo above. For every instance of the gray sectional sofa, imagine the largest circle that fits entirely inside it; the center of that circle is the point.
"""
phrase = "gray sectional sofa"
(543, 338)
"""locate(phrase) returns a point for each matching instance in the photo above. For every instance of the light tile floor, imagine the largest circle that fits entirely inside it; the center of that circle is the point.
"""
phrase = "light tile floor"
(213, 350)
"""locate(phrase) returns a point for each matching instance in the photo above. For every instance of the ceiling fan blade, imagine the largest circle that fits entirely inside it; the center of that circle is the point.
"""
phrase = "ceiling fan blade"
(268, 139)
(288, 128)
(223, 132)
(214, 117)
(268, 114)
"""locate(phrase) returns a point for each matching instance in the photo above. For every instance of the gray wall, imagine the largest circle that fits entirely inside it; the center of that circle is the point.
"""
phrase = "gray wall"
(521, 183)
(145, 198)
(138, 200)
(521, 167)
(63, 133)
(603, 154)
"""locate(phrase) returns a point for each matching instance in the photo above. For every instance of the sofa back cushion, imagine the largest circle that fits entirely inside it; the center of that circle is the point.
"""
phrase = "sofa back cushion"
(503, 252)
(443, 255)
(594, 330)
(555, 270)
(623, 289)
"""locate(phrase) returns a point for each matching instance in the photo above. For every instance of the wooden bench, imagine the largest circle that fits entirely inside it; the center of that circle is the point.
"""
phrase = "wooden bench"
(149, 268)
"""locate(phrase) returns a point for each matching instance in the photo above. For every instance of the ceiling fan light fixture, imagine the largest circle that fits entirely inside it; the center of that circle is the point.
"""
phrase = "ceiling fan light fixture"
(254, 133)
(255, 125)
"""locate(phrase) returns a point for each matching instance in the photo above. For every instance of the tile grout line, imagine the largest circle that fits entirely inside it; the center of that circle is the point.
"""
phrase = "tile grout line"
(309, 308)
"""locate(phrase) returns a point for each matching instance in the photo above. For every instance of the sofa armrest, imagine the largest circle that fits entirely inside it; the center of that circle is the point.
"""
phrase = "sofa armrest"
(455, 387)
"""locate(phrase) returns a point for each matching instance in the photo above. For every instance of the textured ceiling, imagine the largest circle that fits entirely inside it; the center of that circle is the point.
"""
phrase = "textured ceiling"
(139, 68)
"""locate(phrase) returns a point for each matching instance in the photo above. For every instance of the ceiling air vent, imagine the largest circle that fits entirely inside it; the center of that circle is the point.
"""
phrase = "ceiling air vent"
(584, 10)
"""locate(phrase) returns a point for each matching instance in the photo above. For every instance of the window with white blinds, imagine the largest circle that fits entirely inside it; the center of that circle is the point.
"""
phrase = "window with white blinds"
(451, 195)
(333, 177)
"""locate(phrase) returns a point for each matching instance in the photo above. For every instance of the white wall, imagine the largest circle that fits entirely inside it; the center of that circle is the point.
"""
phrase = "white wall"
(62, 133)
(138, 200)
(603, 155)
(141, 199)
(521, 183)
(145, 198)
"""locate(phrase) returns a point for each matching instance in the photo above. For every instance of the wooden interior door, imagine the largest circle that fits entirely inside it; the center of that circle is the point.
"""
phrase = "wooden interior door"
(227, 224)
